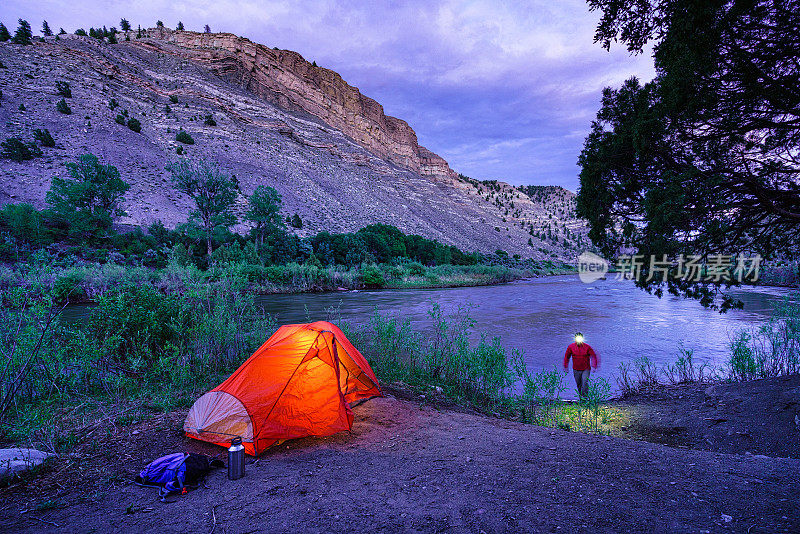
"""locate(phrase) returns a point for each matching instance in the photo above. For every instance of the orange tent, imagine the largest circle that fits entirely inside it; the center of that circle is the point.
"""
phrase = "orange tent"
(301, 382)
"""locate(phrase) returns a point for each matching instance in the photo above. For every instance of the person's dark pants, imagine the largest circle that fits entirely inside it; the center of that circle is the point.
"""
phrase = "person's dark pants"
(582, 381)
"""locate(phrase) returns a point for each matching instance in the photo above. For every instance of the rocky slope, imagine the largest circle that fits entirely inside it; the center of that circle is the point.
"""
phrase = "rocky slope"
(336, 158)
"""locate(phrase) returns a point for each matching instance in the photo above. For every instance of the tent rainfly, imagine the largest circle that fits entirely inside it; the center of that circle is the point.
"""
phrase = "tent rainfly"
(301, 382)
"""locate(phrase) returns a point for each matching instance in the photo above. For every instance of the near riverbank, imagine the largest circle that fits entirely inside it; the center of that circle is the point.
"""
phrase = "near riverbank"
(416, 466)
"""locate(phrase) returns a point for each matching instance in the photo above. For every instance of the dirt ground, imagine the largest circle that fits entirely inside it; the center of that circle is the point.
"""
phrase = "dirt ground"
(756, 417)
(412, 467)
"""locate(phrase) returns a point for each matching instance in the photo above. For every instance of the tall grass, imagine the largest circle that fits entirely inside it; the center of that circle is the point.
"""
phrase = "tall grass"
(138, 343)
(443, 357)
(772, 349)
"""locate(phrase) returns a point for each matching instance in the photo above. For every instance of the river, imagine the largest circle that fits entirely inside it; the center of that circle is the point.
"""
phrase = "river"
(540, 316)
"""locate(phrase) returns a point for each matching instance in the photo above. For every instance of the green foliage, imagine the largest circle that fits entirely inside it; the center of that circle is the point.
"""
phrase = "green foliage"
(183, 137)
(81, 31)
(125, 25)
(263, 211)
(17, 150)
(211, 189)
(23, 35)
(173, 99)
(68, 288)
(134, 124)
(23, 222)
(415, 268)
(113, 104)
(372, 276)
(63, 89)
(46, 29)
(296, 222)
(772, 349)
(90, 199)
(5, 35)
(179, 27)
(209, 120)
(44, 137)
(120, 119)
(63, 107)
(702, 158)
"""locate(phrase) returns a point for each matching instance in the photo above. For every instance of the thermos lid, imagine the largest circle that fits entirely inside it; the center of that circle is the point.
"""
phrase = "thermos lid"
(236, 441)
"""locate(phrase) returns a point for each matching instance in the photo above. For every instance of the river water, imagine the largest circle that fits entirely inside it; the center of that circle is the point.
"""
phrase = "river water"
(540, 316)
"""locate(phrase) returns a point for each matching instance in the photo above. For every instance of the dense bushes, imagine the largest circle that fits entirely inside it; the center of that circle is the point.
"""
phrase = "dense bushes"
(183, 137)
(44, 137)
(137, 341)
(63, 107)
(17, 150)
(134, 125)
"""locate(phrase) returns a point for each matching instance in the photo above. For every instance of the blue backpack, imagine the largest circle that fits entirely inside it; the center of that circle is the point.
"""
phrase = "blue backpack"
(174, 473)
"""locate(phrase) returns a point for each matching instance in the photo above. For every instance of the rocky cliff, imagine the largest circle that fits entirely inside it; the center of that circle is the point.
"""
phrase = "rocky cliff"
(335, 157)
(285, 78)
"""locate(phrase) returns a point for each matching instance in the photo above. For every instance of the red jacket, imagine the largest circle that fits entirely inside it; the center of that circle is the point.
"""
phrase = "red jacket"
(581, 356)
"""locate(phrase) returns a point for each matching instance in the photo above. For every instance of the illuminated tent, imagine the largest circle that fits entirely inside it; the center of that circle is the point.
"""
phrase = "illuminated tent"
(301, 382)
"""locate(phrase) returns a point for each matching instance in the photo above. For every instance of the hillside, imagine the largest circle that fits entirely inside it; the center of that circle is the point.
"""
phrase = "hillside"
(278, 120)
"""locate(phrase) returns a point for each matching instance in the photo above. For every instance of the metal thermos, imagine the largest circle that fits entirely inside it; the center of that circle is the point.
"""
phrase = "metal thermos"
(236, 459)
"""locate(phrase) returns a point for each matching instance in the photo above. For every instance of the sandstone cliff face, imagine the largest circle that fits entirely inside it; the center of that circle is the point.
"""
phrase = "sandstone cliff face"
(309, 135)
(284, 78)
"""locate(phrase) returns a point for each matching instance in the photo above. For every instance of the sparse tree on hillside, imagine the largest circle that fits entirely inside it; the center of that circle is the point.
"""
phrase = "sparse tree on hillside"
(4, 33)
(211, 189)
(46, 31)
(207, 29)
(296, 221)
(90, 199)
(125, 25)
(23, 34)
(159, 24)
(179, 27)
(264, 211)
(62, 31)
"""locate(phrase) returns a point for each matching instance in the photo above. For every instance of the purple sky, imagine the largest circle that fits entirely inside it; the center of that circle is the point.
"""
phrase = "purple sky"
(501, 90)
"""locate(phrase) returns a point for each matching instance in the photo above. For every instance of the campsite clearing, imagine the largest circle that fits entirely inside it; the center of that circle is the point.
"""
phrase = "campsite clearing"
(408, 466)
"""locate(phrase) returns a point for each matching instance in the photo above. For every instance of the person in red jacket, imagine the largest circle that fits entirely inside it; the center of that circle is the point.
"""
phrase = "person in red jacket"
(582, 356)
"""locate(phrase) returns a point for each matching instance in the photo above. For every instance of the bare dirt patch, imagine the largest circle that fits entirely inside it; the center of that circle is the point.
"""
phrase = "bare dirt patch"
(756, 417)
(413, 467)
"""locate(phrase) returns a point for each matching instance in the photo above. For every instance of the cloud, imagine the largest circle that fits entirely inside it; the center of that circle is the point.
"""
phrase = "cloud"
(502, 90)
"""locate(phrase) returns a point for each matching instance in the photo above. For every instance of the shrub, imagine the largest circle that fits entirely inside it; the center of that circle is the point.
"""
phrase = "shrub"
(210, 121)
(183, 137)
(416, 268)
(173, 99)
(371, 276)
(22, 107)
(44, 137)
(296, 221)
(134, 124)
(17, 150)
(120, 119)
(67, 287)
(64, 89)
(63, 107)
(113, 104)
